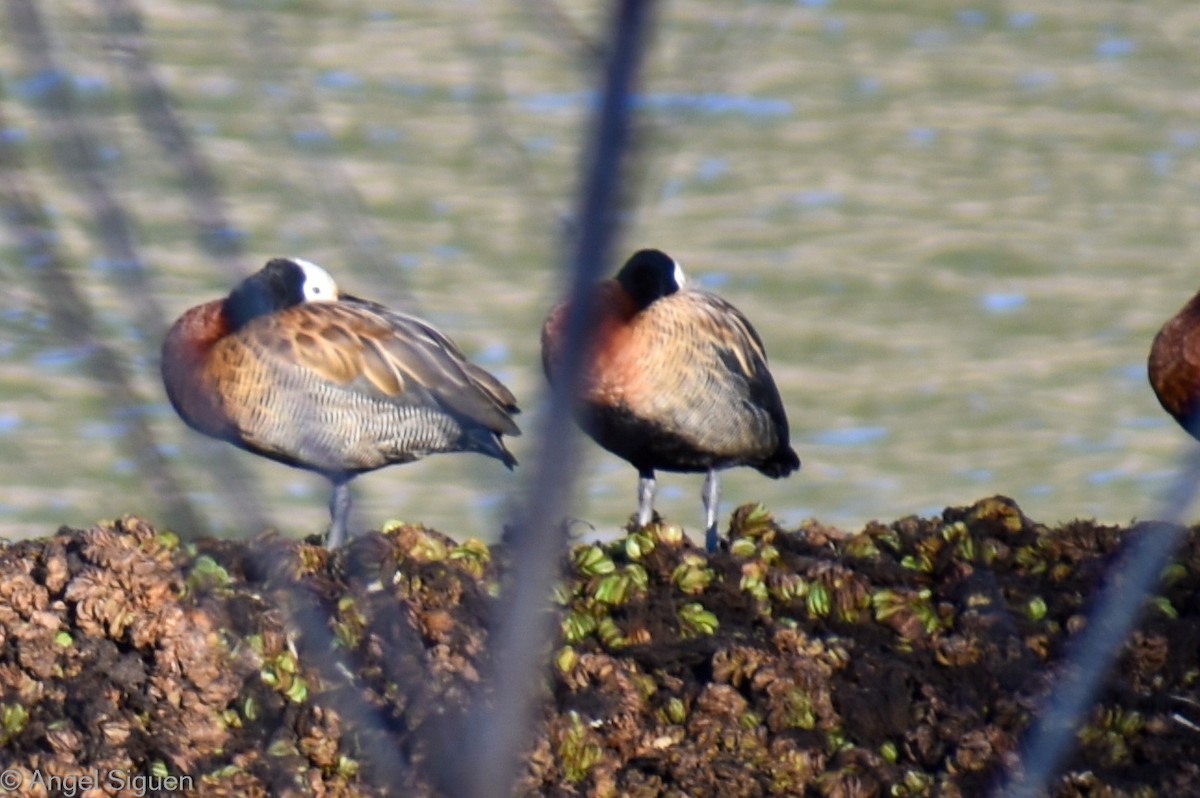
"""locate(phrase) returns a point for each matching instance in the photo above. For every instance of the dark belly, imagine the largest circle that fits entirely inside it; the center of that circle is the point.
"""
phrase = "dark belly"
(649, 444)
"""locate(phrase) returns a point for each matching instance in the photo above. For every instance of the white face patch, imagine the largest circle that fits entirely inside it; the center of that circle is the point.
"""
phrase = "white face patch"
(680, 279)
(319, 285)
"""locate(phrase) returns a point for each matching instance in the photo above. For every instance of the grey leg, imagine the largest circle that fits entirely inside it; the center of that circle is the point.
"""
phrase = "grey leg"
(646, 489)
(339, 513)
(712, 499)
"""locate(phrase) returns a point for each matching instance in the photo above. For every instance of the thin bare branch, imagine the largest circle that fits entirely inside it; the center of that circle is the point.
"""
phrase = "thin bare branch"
(503, 728)
(72, 318)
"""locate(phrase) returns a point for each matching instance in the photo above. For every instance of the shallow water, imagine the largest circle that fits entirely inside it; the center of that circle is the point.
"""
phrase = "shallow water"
(956, 227)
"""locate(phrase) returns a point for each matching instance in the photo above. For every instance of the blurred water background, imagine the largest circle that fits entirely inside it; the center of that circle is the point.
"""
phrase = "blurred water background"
(956, 225)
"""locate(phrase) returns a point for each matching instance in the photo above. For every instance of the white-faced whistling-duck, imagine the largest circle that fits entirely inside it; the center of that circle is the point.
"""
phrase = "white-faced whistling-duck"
(678, 382)
(289, 368)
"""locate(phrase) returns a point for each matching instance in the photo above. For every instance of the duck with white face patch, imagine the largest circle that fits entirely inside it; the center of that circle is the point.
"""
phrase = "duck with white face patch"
(678, 382)
(290, 368)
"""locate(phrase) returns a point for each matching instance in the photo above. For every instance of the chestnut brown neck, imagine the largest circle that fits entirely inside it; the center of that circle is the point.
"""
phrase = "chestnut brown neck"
(197, 330)
(185, 355)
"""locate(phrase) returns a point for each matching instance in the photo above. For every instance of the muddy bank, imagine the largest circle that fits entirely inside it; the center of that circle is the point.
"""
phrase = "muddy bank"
(904, 659)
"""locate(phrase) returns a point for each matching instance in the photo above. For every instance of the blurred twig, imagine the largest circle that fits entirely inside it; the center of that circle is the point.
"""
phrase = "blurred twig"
(311, 605)
(518, 642)
(218, 237)
(72, 318)
(216, 234)
(1116, 610)
(77, 152)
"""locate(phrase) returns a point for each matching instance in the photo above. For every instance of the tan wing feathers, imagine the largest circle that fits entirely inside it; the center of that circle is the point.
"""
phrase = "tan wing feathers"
(380, 369)
(332, 352)
(723, 326)
(347, 341)
(435, 363)
(712, 323)
(451, 359)
(496, 390)
(681, 339)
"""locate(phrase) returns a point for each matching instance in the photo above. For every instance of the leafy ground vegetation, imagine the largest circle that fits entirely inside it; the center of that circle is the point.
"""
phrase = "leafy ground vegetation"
(902, 660)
